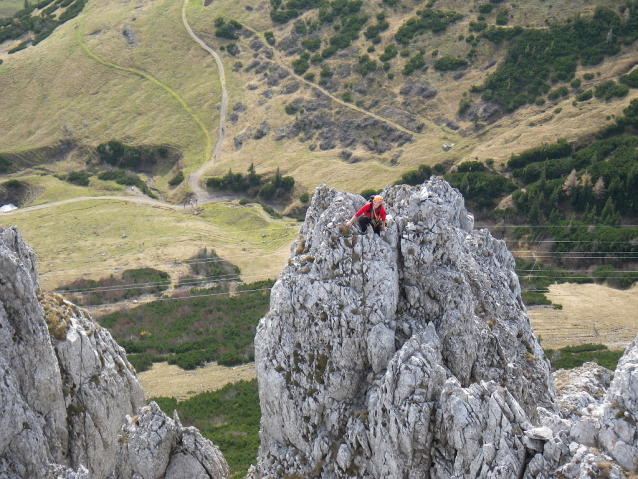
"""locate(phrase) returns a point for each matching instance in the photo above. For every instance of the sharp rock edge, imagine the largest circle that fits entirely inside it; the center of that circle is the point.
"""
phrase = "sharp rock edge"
(410, 355)
(70, 403)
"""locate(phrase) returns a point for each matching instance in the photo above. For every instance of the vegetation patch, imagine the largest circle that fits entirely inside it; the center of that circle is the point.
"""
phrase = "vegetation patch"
(207, 266)
(426, 19)
(126, 178)
(229, 417)
(537, 57)
(575, 356)
(132, 284)
(194, 330)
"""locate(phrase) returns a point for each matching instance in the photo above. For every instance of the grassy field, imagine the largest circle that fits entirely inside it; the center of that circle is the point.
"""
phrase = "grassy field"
(86, 239)
(9, 7)
(591, 314)
(165, 380)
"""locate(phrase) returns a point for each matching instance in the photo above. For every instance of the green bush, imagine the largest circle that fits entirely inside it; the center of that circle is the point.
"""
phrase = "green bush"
(300, 65)
(231, 358)
(177, 179)
(584, 96)
(270, 37)
(631, 79)
(449, 63)
(389, 53)
(416, 62)
(347, 97)
(304, 197)
(13, 184)
(502, 17)
(127, 179)
(374, 30)
(485, 8)
(80, 178)
(415, 177)
(5, 164)
(470, 166)
(609, 89)
(141, 362)
(573, 357)
(311, 44)
(427, 19)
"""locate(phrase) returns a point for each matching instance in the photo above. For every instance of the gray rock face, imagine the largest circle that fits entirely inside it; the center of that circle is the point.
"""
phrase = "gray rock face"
(618, 433)
(68, 388)
(407, 354)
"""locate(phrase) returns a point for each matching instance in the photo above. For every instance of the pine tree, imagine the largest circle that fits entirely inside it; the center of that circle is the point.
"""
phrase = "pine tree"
(607, 216)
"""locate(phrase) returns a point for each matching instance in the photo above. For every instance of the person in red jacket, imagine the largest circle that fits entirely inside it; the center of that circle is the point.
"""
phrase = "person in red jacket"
(373, 213)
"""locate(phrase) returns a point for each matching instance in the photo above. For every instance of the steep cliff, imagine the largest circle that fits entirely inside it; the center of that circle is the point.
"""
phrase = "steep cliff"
(68, 392)
(407, 354)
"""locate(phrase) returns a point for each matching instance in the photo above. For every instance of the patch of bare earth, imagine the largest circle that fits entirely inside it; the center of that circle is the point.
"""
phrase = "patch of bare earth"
(591, 314)
(165, 380)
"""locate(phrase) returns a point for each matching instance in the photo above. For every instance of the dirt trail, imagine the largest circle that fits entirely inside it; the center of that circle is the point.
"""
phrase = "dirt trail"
(193, 180)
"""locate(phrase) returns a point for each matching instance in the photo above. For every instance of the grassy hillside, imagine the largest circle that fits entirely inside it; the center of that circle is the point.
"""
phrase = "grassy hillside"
(133, 74)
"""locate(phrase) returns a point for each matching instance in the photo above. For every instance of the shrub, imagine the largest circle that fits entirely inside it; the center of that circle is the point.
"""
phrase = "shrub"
(13, 184)
(304, 197)
(347, 97)
(270, 37)
(310, 76)
(427, 19)
(291, 109)
(576, 82)
(300, 66)
(80, 178)
(415, 177)
(584, 96)
(389, 53)
(5, 164)
(470, 166)
(311, 44)
(141, 362)
(588, 76)
(449, 63)
(374, 30)
(502, 17)
(126, 179)
(631, 79)
(416, 62)
(231, 358)
(609, 89)
(177, 179)
(485, 8)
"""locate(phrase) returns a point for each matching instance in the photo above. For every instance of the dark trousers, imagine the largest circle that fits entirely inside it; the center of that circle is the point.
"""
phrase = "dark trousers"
(364, 221)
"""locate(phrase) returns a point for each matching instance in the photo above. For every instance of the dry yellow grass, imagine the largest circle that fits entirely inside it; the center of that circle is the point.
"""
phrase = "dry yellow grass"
(85, 239)
(591, 314)
(164, 380)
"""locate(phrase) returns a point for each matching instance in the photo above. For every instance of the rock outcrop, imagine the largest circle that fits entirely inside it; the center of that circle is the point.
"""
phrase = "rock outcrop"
(410, 355)
(68, 389)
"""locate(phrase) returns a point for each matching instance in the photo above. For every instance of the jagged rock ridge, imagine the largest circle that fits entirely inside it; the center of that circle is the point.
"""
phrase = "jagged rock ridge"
(406, 355)
(69, 398)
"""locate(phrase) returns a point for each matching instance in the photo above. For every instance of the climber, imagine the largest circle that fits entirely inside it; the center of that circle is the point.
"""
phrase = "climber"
(373, 213)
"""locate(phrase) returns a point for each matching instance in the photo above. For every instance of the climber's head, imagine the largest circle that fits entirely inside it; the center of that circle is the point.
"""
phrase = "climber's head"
(377, 201)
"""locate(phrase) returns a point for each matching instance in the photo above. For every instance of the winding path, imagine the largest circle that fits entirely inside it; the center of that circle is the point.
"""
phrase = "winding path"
(193, 180)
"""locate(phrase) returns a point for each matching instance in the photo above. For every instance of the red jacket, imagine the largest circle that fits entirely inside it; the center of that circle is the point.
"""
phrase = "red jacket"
(379, 214)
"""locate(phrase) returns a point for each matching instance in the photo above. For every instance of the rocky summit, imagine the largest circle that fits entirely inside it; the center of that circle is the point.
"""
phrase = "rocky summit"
(409, 354)
(70, 403)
